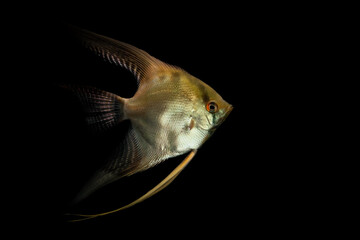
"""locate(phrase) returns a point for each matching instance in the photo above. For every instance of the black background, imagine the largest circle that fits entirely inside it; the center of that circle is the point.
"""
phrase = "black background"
(251, 177)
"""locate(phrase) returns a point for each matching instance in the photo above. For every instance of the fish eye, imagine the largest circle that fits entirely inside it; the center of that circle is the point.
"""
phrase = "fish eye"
(212, 107)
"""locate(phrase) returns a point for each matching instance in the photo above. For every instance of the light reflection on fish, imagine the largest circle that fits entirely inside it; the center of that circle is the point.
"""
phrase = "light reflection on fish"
(171, 113)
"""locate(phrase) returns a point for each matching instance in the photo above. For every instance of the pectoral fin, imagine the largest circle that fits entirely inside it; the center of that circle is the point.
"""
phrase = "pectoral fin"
(163, 184)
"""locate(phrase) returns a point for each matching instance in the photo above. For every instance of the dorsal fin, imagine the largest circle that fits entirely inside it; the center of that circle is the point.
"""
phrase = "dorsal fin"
(137, 61)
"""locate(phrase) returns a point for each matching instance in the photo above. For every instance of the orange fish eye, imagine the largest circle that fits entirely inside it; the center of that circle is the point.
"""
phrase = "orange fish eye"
(212, 107)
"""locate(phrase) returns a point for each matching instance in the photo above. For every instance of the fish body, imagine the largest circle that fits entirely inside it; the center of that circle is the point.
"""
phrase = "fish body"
(171, 113)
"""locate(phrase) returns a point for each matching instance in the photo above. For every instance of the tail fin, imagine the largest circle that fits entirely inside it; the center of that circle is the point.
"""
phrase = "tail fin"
(104, 110)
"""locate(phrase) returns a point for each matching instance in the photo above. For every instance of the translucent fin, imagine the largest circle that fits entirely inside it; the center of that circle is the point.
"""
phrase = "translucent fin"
(164, 183)
(104, 109)
(137, 61)
(126, 160)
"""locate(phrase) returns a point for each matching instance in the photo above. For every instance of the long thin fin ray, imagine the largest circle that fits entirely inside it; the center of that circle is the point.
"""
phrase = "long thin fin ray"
(163, 184)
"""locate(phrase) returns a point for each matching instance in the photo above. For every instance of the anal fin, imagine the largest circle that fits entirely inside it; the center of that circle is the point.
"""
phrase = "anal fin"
(124, 161)
(163, 184)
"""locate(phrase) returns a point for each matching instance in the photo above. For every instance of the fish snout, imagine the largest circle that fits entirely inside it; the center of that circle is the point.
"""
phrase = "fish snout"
(225, 115)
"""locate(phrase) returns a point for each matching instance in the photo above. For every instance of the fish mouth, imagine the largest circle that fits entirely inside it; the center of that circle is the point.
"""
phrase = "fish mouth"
(227, 112)
(222, 119)
(212, 129)
(219, 121)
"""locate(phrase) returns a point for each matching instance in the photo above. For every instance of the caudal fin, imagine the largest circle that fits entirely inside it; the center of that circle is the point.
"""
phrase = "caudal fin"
(104, 109)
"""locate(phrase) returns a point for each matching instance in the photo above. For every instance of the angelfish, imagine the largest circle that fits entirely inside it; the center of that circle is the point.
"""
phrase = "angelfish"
(171, 113)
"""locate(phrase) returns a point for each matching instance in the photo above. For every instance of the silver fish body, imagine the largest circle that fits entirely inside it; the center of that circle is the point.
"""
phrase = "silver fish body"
(169, 115)
(172, 112)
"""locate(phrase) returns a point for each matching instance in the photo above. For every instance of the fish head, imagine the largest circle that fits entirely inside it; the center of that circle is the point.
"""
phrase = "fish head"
(211, 108)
